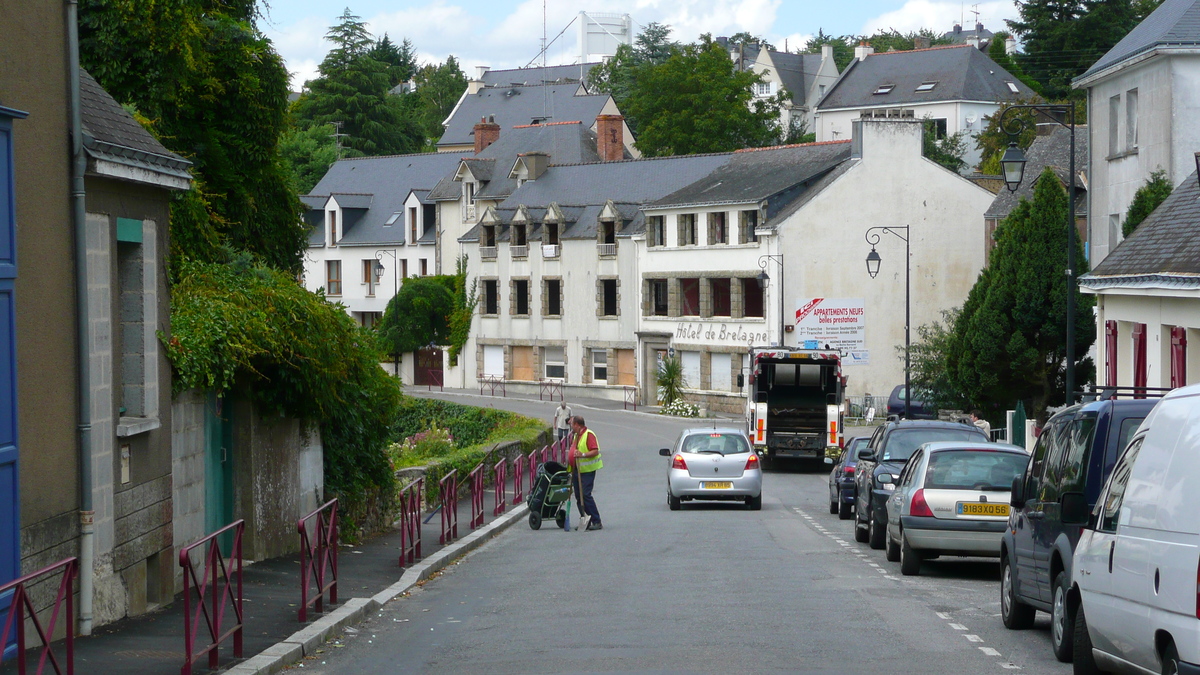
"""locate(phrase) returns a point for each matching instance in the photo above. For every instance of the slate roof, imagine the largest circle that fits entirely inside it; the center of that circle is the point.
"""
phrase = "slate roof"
(111, 134)
(960, 36)
(754, 175)
(1051, 150)
(796, 71)
(380, 184)
(537, 75)
(962, 73)
(1174, 23)
(514, 106)
(1163, 251)
(563, 143)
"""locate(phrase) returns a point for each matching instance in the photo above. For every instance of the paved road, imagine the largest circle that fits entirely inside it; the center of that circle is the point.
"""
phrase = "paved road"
(711, 588)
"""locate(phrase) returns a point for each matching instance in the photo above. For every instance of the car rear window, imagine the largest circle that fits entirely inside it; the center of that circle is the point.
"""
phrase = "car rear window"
(973, 470)
(902, 443)
(722, 443)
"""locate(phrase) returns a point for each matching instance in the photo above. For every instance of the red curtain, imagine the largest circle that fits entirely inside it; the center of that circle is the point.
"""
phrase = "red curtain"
(1178, 356)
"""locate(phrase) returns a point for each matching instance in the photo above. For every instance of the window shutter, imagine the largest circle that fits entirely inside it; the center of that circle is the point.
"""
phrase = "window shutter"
(1139, 357)
(1110, 353)
(1178, 357)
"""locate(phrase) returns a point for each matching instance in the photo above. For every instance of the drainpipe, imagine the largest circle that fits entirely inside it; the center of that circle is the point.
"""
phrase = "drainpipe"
(83, 352)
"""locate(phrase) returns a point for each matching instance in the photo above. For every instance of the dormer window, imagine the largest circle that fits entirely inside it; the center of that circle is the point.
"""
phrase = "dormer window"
(763, 88)
(884, 89)
(550, 236)
(608, 232)
(925, 86)
(392, 219)
(489, 235)
(518, 235)
(333, 237)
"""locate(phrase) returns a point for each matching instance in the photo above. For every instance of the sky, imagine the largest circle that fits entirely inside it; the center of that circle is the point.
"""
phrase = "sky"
(508, 33)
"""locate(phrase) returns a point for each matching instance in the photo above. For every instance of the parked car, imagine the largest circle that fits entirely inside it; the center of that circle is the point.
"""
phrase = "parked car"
(1074, 454)
(951, 499)
(1138, 560)
(841, 479)
(712, 463)
(885, 455)
(918, 409)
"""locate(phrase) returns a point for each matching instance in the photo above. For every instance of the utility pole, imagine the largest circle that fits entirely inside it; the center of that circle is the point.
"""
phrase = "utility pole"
(337, 138)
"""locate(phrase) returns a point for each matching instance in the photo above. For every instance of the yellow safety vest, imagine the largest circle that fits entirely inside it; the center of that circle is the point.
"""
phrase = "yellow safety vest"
(588, 464)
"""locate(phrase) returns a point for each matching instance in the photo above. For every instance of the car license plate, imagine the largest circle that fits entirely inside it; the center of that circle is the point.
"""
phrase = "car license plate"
(718, 485)
(982, 509)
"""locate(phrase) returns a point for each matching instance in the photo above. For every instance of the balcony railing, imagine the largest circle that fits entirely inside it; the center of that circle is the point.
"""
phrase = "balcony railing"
(606, 249)
(487, 252)
(551, 250)
(518, 251)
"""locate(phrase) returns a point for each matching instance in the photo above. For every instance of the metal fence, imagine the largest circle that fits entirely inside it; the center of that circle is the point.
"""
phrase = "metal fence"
(318, 558)
(220, 584)
(865, 410)
(21, 609)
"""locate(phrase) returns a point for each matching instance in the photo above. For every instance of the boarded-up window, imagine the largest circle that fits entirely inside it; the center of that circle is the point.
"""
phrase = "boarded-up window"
(691, 369)
(690, 292)
(522, 358)
(626, 367)
(493, 360)
(752, 298)
(720, 372)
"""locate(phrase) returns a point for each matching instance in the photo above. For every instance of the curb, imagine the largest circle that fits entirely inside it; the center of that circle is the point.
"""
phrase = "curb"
(307, 640)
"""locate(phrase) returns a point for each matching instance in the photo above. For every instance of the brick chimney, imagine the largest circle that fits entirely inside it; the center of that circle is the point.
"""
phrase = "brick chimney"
(610, 137)
(486, 133)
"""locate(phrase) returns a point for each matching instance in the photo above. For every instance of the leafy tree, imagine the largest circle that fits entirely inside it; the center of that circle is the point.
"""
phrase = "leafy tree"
(947, 150)
(797, 131)
(998, 52)
(206, 81)
(618, 75)
(1063, 38)
(418, 316)
(438, 88)
(930, 355)
(881, 41)
(745, 38)
(843, 47)
(401, 59)
(695, 102)
(466, 299)
(1010, 338)
(352, 90)
(1147, 198)
(310, 152)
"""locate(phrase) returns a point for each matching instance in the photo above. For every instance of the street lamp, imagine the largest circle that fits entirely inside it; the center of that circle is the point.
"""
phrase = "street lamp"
(764, 280)
(1013, 165)
(873, 263)
(378, 270)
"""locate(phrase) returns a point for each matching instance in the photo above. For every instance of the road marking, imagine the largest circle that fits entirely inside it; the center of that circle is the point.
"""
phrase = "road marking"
(1010, 666)
(973, 638)
(958, 626)
(989, 651)
(942, 615)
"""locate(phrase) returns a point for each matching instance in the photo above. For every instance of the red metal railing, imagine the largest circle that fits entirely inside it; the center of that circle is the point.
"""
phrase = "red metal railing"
(531, 463)
(20, 604)
(410, 521)
(492, 383)
(475, 483)
(500, 471)
(435, 379)
(550, 388)
(319, 558)
(448, 495)
(215, 570)
(631, 398)
(518, 480)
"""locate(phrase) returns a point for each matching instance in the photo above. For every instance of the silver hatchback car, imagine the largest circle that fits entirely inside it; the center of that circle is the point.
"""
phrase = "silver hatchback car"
(713, 463)
(951, 498)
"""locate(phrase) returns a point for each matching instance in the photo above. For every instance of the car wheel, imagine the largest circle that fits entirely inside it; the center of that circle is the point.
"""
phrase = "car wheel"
(754, 503)
(910, 560)
(535, 520)
(893, 550)
(860, 529)
(875, 532)
(1062, 621)
(1015, 614)
(675, 503)
(1085, 662)
(1170, 660)
(845, 511)
(833, 506)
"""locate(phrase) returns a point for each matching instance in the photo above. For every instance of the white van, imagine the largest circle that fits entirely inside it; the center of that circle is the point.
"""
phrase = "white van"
(1137, 565)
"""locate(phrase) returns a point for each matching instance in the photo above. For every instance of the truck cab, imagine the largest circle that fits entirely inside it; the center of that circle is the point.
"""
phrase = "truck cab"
(794, 402)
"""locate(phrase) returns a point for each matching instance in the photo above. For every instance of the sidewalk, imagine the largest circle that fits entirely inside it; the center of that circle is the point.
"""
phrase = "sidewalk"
(153, 644)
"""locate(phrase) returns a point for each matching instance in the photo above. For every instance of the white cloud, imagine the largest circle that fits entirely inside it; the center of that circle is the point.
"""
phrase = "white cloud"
(941, 16)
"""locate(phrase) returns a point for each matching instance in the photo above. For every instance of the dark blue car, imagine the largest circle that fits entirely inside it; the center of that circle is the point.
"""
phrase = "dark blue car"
(917, 409)
(841, 479)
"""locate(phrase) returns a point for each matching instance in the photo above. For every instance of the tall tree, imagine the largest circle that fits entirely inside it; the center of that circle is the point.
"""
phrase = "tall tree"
(210, 85)
(352, 93)
(401, 59)
(310, 152)
(998, 52)
(438, 88)
(1011, 334)
(1147, 198)
(880, 41)
(695, 102)
(617, 76)
(1062, 38)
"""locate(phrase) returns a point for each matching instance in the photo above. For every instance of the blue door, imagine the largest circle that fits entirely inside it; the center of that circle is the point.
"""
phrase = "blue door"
(10, 500)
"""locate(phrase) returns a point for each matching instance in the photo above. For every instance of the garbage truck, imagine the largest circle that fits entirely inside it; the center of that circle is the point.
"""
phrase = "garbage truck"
(794, 402)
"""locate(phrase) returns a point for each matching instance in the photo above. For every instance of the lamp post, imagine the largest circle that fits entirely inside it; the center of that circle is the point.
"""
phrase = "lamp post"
(1013, 165)
(764, 280)
(873, 262)
(395, 289)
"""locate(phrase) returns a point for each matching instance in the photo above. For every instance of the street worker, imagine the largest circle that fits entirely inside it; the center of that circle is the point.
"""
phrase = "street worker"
(562, 420)
(585, 457)
(977, 420)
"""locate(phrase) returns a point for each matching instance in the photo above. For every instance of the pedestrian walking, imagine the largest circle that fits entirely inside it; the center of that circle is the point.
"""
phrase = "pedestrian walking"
(562, 420)
(585, 456)
(984, 425)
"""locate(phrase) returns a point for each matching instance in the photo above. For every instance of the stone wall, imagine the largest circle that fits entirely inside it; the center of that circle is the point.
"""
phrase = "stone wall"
(188, 472)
